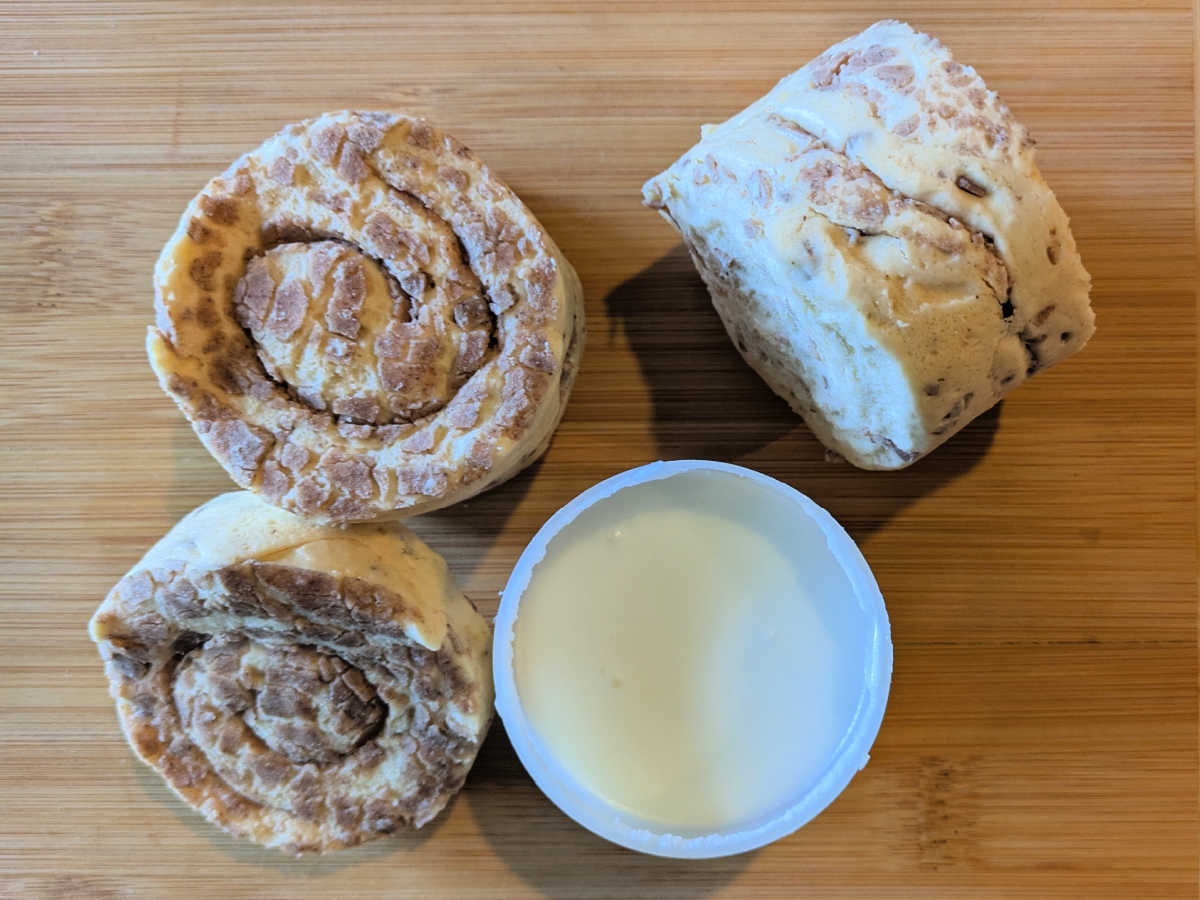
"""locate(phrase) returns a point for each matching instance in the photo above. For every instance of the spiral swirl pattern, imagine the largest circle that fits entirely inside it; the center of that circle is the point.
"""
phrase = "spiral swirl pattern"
(361, 320)
(308, 687)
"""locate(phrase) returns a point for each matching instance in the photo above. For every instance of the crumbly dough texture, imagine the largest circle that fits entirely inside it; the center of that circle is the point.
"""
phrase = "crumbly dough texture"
(880, 245)
(362, 321)
(307, 687)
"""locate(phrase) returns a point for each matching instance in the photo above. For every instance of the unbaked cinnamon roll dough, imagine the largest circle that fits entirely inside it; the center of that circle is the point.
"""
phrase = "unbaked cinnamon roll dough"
(307, 687)
(880, 245)
(361, 320)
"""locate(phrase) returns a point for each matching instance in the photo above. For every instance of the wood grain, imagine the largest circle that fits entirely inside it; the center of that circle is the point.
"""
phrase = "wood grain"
(1040, 570)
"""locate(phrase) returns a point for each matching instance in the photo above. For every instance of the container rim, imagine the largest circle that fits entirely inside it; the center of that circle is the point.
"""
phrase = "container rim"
(617, 825)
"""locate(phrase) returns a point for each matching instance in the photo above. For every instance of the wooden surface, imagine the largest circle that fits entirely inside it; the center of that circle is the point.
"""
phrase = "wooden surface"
(1040, 570)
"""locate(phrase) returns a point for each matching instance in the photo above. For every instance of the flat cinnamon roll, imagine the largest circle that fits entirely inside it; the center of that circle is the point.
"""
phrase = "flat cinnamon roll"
(361, 320)
(307, 687)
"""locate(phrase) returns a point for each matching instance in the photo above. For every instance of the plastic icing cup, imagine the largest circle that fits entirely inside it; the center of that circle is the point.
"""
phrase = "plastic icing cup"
(703, 662)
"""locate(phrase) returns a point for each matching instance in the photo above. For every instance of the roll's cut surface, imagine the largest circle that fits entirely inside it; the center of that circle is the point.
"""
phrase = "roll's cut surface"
(307, 687)
(880, 245)
(361, 320)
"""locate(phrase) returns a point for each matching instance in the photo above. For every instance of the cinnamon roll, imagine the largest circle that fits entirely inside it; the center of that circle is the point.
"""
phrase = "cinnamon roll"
(361, 320)
(880, 245)
(307, 687)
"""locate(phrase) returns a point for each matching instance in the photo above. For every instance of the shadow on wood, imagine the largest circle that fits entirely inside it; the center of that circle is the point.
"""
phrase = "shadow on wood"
(708, 404)
(558, 858)
(469, 534)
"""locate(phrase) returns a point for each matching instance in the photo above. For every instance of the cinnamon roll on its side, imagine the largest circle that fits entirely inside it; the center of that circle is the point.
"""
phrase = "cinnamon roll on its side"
(361, 320)
(880, 245)
(307, 687)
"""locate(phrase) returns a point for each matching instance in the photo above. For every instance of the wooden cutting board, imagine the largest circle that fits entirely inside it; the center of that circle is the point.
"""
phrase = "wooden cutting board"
(1040, 570)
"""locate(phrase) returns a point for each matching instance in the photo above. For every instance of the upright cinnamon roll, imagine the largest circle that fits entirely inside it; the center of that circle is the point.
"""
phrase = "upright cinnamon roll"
(361, 320)
(307, 687)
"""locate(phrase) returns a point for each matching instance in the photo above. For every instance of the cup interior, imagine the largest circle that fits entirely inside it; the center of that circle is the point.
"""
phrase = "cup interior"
(837, 569)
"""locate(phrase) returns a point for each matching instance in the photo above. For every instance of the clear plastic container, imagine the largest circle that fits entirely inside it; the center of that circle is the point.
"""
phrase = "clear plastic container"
(834, 559)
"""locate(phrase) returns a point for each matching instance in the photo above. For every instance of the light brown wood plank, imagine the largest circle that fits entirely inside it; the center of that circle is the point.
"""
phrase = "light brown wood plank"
(1040, 570)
